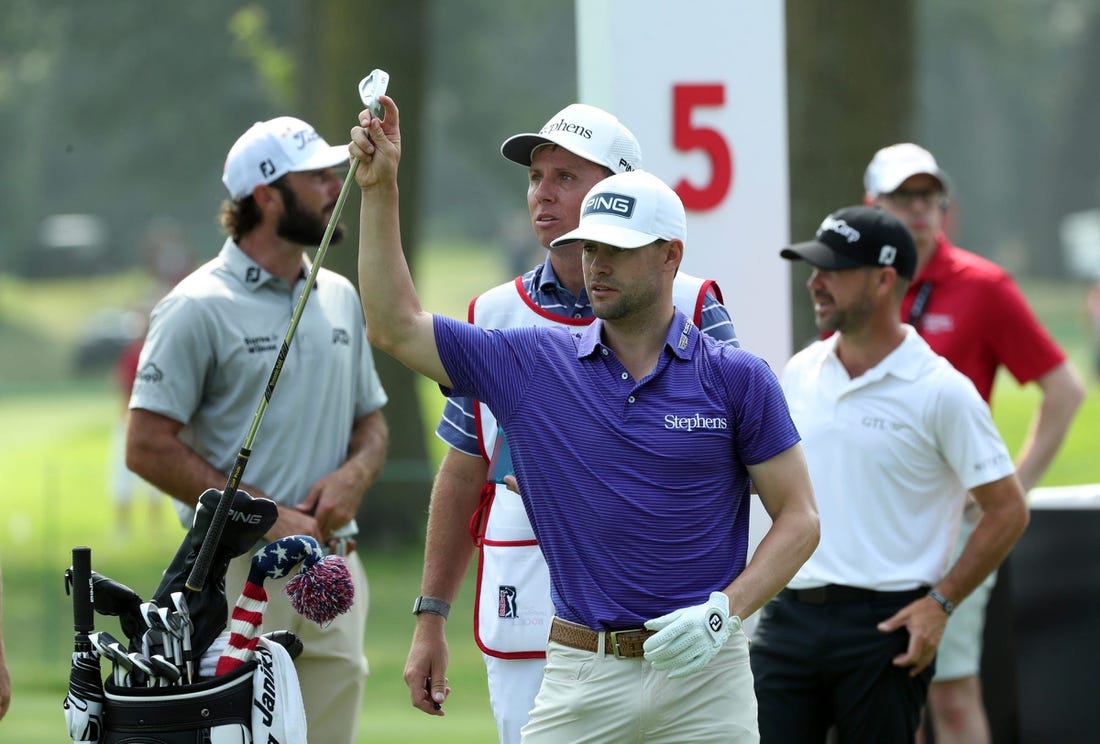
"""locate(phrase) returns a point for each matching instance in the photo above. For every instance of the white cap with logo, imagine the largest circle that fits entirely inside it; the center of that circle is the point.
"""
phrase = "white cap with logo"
(892, 165)
(271, 149)
(629, 210)
(585, 131)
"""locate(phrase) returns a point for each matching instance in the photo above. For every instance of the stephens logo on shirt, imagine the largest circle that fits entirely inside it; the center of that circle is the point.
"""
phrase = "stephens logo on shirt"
(695, 421)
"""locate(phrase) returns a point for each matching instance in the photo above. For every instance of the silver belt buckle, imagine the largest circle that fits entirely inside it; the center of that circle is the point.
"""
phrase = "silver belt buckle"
(613, 635)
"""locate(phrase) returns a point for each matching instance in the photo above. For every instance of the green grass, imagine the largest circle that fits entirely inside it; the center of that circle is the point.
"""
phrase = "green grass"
(54, 436)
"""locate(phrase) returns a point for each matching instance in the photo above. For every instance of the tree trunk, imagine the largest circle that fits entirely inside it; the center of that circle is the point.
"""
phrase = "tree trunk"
(850, 91)
(341, 41)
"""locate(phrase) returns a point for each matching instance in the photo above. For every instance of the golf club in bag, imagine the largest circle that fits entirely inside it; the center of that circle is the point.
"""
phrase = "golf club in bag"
(84, 702)
(258, 698)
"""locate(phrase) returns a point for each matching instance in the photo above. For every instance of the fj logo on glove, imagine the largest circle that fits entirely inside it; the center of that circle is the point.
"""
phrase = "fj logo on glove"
(715, 622)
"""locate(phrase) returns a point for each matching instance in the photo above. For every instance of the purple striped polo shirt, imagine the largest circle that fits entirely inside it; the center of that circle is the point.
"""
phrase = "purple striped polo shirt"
(637, 492)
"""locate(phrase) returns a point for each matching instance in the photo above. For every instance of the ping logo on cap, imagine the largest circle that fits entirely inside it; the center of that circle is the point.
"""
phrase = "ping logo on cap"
(619, 205)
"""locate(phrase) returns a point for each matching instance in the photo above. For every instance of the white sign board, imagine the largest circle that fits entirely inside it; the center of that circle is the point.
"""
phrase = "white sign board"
(702, 84)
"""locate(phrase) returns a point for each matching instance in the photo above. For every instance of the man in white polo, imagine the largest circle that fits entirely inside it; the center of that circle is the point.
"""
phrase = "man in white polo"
(894, 437)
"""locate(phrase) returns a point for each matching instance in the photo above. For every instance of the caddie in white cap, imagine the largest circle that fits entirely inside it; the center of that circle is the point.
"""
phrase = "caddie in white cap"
(576, 149)
(637, 417)
(212, 344)
(583, 130)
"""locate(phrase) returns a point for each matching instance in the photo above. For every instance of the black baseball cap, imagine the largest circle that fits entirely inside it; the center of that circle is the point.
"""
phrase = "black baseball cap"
(858, 236)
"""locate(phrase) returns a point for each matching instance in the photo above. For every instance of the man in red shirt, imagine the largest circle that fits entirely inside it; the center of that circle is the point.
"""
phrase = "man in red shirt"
(971, 312)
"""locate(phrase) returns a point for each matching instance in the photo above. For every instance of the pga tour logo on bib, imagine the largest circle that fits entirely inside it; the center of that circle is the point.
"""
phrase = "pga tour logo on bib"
(506, 602)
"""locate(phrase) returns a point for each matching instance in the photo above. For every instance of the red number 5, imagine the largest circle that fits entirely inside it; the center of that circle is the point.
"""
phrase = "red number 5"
(686, 136)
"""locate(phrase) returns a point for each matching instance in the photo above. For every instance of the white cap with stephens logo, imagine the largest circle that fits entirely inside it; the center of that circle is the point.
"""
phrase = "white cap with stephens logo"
(629, 210)
(585, 131)
(271, 149)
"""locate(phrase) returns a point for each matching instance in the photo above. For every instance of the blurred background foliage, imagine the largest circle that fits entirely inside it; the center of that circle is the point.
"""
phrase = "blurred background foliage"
(115, 119)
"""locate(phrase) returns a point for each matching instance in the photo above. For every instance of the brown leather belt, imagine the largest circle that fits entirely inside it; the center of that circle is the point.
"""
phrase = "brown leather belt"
(622, 644)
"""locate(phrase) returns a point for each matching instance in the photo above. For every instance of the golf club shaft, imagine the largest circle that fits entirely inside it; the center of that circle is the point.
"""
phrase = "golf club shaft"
(205, 557)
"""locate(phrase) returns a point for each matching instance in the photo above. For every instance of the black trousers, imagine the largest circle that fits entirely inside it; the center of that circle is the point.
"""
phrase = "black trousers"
(818, 665)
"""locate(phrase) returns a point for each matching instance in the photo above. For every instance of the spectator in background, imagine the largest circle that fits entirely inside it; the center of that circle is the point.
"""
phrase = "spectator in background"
(124, 485)
(970, 311)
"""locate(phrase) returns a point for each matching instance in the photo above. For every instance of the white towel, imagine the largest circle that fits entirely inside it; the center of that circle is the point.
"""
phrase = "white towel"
(278, 714)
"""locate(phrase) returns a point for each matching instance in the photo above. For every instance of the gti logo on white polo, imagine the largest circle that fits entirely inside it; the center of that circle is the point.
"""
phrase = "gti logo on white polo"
(618, 205)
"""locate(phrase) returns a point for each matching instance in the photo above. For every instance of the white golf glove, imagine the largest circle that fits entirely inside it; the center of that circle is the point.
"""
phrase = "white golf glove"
(687, 639)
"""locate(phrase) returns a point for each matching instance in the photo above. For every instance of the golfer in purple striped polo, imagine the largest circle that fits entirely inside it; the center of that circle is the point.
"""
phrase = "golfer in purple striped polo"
(634, 441)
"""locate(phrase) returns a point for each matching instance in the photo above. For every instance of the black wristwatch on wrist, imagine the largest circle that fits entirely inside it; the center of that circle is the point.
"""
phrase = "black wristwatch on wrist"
(947, 605)
(432, 605)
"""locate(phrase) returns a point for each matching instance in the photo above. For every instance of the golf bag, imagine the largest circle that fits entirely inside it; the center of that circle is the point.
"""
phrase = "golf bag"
(217, 710)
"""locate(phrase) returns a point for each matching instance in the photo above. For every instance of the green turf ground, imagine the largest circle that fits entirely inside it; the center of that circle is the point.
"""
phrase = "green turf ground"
(54, 437)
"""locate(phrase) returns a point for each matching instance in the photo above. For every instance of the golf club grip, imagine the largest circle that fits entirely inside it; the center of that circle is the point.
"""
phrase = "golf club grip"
(197, 579)
(83, 604)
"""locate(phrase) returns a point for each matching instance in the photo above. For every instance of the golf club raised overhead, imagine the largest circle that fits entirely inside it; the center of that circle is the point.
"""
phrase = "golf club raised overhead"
(370, 88)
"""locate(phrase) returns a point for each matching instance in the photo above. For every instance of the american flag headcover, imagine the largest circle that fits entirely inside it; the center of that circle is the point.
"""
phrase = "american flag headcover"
(321, 590)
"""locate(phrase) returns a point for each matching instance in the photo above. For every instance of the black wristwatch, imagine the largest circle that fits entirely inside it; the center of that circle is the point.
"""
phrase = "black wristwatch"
(947, 605)
(432, 605)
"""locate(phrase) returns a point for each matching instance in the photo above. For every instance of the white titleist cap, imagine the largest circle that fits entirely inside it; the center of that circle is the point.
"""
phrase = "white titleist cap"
(585, 131)
(892, 165)
(629, 210)
(271, 149)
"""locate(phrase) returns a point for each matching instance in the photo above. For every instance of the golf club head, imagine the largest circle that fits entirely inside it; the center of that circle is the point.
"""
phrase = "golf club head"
(121, 658)
(116, 599)
(150, 613)
(167, 625)
(164, 670)
(143, 668)
(184, 614)
(288, 640)
(371, 89)
(102, 642)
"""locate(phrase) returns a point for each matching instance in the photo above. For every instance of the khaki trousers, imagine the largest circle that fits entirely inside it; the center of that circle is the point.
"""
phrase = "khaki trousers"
(591, 697)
